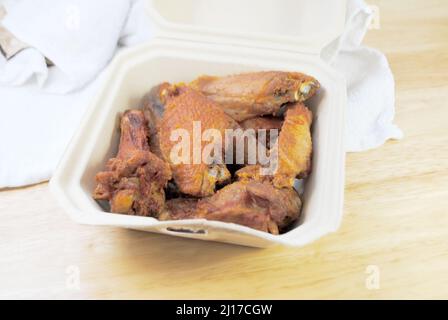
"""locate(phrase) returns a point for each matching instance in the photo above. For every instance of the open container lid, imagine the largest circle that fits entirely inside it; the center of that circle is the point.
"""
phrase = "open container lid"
(294, 25)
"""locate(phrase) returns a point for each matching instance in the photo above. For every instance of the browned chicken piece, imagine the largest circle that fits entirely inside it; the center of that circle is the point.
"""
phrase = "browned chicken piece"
(267, 123)
(249, 95)
(133, 134)
(253, 204)
(234, 203)
(153, 106)
(283, 205)
(184, 109)
(294, 149)
(294, 146)
(134, 180)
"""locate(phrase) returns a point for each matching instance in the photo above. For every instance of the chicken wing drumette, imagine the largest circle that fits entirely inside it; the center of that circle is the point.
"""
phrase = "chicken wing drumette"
(134, 180)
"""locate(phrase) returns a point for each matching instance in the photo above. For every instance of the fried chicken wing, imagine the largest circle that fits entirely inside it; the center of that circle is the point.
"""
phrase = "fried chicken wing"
(234, 203)
(186, 108)
(294, 146)
(134, 180)
(252, 204)
(249, 95)
(293, 149)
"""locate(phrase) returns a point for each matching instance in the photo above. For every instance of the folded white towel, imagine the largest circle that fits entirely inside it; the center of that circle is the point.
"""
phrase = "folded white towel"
(370, 83)
(37, 124)
(81, 36)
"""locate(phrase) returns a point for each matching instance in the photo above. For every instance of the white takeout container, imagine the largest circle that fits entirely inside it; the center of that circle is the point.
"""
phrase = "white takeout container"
(218, 37)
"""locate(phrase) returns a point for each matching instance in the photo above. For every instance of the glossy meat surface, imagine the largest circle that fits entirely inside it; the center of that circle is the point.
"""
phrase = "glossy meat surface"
(249, 95)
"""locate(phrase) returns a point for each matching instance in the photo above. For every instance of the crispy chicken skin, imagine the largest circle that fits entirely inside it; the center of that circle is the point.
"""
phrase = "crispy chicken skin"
(294, 149)
(248, 95)
(183, 107)
(134, 180)
(294, 146)
(253, 204)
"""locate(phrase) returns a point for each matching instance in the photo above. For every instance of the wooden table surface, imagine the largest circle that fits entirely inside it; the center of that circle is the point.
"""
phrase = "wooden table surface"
(396, 213)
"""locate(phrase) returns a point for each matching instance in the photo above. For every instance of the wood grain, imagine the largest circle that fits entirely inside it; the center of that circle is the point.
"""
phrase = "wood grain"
(396, 212)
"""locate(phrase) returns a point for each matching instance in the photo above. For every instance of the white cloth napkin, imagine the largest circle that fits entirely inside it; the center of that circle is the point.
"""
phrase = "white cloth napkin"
(370, 83)
(79, 37)
(41, 106)
(37, 120)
